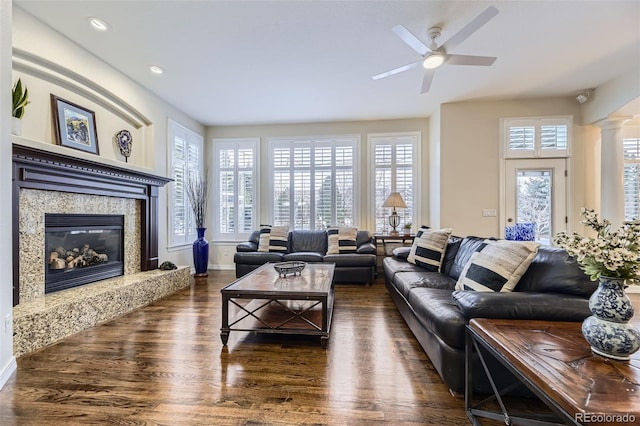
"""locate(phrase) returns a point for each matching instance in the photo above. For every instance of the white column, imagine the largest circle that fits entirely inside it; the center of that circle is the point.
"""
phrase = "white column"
(612, 170)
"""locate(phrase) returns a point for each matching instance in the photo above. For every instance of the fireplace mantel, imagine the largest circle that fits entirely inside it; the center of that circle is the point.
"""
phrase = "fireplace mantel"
(42, 169)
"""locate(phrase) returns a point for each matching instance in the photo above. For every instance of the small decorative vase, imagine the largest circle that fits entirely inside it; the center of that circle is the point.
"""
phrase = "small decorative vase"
(201, 254)
(16, 126)
(607, 330)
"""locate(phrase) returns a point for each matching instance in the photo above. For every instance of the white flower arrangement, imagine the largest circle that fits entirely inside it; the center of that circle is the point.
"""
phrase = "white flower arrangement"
(614, 254)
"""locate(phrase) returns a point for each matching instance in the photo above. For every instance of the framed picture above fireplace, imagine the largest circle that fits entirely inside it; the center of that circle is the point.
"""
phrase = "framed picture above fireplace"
(75, 126)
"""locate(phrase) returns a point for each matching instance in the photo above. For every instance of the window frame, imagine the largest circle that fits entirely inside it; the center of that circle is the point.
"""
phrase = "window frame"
(416, 176)
(537, 123)
(274, 142)
(191, 138)
(630, 133)
(236, 143)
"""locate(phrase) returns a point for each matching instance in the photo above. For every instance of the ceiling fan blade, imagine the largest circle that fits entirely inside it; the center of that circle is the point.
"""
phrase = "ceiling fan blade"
(470, 28)
(397, 70)
(411, 40)
(484, 61)
(427, 79)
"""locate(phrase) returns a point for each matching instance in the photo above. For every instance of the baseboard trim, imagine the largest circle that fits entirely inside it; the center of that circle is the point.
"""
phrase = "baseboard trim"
(8, 371)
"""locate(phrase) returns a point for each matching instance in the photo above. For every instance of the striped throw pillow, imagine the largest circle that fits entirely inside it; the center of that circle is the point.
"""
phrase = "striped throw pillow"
(273, 239)
(498, 266)
(428, 248)
(341, 240)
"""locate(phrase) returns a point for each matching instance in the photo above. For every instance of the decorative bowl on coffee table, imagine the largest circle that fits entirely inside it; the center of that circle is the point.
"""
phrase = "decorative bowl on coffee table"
(285, 268)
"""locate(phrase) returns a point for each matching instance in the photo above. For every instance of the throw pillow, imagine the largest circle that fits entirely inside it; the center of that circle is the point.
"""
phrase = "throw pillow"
(341, 240)
(273, 238)
(428, 248)
(498, 266)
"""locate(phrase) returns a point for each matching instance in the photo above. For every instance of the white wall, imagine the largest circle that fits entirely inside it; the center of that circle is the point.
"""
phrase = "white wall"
(7, 361)
(470, 159)
(221, 253)
(149, 151)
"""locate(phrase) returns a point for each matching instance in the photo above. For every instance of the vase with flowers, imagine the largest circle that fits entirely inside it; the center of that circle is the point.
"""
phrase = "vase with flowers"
(613, 258)
(196, 190)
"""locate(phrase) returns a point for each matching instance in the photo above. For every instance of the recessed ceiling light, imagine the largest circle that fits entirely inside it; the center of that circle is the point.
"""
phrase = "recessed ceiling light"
(98, 24)
(156, 69)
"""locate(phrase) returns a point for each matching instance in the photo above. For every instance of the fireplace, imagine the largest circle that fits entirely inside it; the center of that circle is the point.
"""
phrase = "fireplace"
(81, 249)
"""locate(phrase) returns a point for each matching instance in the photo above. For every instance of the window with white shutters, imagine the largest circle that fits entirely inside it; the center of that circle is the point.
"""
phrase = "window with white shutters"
(185, 162)
(631, 147)
(395, 157)
(235, 189)
(313, 182)
(537, 137)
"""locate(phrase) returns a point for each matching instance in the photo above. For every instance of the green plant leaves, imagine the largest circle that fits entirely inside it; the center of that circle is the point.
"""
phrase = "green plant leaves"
(19, 99)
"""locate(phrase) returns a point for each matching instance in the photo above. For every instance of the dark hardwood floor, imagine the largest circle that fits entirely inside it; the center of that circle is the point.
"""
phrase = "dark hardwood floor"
(165, 364)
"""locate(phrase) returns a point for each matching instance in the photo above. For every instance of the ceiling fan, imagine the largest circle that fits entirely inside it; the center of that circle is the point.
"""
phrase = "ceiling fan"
(433, 56)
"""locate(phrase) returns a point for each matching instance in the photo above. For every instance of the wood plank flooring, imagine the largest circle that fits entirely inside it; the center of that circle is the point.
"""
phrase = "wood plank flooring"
(165, 364)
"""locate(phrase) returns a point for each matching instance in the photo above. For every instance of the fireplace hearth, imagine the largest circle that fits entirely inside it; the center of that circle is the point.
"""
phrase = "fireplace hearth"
(81, 249)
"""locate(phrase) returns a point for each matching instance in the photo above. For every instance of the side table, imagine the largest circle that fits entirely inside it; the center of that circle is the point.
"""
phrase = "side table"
(554, 361)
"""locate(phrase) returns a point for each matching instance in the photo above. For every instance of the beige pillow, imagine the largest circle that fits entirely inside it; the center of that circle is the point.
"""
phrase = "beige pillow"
(428, 248)
(273, 239)
(341, 240)
(498, 266)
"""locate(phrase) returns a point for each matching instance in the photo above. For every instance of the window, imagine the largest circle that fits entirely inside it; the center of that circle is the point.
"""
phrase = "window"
(313, 182)
(185, 162)
(394, 159)
(631, 147)
(235, 191)
(537, 137)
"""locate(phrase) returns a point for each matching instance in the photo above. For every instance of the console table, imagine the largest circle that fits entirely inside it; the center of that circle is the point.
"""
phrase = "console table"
(555, 362)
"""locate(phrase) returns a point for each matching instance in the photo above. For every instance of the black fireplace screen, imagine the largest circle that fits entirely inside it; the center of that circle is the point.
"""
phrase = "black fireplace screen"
(81, 249)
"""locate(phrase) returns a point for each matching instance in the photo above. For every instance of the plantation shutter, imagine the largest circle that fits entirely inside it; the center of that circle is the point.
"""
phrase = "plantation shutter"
(631, 181)
(394, 159)
(185, 162)
(537, 137)
(313, 182)
(236, 171)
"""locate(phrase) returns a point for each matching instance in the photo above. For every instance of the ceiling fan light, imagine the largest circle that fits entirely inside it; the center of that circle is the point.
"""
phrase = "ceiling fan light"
(433, 61)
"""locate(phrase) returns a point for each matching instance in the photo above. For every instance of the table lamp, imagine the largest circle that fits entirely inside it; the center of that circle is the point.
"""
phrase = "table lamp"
(394, 200)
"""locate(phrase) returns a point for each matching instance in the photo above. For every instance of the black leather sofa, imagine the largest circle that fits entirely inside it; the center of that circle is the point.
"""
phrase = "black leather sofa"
(553, 288)
(311, 246)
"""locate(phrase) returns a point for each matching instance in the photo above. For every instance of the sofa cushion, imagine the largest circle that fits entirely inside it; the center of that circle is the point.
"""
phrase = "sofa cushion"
(498, 266)
(257, 258)
(522, 305)
(341, 240)
(303, 256)
(407, 281)
(450, 254)
(468, 246)
(353, 260)
(305, 240)
(438, 312)
(554, 271)
(428, 248)
(273, 239)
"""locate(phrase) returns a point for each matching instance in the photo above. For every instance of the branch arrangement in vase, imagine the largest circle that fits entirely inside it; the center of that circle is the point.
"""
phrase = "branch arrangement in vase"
(196, 189)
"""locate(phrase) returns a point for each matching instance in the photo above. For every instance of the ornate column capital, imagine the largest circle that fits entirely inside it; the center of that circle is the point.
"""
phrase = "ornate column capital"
(613, 122)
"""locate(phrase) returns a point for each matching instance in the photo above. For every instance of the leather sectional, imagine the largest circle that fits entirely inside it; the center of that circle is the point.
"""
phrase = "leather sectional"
(553, 288)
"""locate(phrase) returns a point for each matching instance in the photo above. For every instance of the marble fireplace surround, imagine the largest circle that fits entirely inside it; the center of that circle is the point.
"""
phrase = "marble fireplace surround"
(46, 181)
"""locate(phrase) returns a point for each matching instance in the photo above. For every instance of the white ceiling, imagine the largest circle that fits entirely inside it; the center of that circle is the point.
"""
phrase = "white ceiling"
(254, 62)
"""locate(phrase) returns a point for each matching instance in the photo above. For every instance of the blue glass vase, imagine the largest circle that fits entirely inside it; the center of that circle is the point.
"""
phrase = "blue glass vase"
(201, 254)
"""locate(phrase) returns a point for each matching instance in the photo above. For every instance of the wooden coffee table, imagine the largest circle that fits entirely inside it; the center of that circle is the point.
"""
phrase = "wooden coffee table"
(264, 302)
(555, 362)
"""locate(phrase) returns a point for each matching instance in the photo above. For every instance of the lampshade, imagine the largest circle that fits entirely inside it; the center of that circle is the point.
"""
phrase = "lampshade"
(433, 61)
(394, 200)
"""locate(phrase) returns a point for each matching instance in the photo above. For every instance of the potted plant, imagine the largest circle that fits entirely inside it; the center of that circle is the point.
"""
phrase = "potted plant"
(20, 99)
(613, 258)
(407, 228)
(196, 189)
